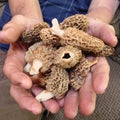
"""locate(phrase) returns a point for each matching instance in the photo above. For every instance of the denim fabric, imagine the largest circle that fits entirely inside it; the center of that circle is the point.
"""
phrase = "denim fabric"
(6, 16)
(59, 9)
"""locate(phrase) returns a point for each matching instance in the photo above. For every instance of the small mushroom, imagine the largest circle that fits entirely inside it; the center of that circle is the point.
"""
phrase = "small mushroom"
(67, 56)
(79, 73)
(58, 81)
(78, 21)
(33, 35)
(107, 51)
(39, 57)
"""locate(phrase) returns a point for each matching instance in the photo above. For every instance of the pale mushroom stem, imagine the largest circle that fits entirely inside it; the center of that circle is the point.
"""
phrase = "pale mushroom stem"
(36, 65)
(44, 95)
(27, 67)
(56, 29)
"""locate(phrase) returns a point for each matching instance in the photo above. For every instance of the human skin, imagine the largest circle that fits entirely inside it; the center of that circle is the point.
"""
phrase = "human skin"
(98, 77)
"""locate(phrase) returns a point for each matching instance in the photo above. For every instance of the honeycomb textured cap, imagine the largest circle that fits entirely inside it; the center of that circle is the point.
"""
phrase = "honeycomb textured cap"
(40, 52)
(82, 40)
(67, 56)
(78, 21)
(107, 51)
(33, 35)
(79, 73)
(57, 82)
(49, 38)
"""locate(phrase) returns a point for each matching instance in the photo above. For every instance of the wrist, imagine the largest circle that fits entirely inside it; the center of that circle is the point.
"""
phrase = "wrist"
(29, 9)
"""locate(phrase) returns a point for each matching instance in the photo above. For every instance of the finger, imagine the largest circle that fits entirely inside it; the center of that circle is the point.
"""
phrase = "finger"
(71, 104)
(100, 75)
(12, 30)
(87, 97)
(13, 69)
(107, 34)
(25, 99)
(61, 102)
(51, 105)
(103, 31)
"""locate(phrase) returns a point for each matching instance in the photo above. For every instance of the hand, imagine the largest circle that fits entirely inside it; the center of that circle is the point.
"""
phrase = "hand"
(14, 64)
(96, 82)
(98, 77)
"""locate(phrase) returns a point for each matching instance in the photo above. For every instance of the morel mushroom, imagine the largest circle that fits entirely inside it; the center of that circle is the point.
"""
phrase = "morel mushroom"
(78, 21)
(33, 35)
(79, 73)
(48, 38)
(58, 81)
(67, 56)
(39, 58)
(56, 84)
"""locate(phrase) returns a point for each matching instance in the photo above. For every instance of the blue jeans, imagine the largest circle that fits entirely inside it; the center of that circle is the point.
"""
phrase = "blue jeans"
(6, 16)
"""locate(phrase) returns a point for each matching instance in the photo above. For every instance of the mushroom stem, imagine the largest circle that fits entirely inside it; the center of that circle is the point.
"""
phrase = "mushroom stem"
(36, 65)
(27, 67)
(56, 29)
(44, 95)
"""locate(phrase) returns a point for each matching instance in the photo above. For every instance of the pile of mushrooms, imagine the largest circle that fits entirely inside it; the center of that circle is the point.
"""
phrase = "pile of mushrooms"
(57, 56)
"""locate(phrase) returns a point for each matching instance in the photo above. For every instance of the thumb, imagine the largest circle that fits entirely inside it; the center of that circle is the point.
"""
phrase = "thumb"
(107, 34)
(103, 31)
(12, 30)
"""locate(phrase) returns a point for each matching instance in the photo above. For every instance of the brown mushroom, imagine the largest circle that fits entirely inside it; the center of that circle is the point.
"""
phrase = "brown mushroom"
(82, 40)
(78, 21)
(58, 81)
(40, 58)
(48, 38)
(33, 35)
(67, 56)
(79, 73)
(107, 51)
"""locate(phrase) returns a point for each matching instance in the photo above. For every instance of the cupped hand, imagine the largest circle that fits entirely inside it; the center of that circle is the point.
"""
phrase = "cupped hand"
(84, 100)
(14, 64)
(97, 79)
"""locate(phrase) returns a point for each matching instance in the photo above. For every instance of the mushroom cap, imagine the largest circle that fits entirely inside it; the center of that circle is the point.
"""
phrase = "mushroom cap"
(33, 35)
(107, 51)
(78, 21)
(49, 38)
(67, 56)
(82, 40)
(58, 81)
(79, 73)
(42, 53)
